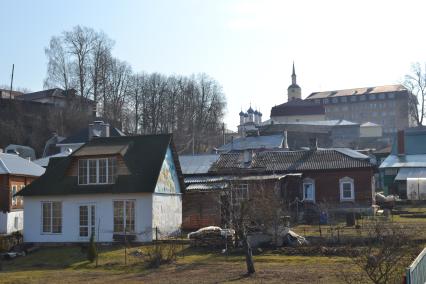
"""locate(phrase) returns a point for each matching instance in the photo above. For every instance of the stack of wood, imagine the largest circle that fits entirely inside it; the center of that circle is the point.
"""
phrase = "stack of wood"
(212, 237)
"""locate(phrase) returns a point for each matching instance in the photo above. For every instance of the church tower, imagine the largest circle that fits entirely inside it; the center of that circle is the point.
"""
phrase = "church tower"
(294, 91)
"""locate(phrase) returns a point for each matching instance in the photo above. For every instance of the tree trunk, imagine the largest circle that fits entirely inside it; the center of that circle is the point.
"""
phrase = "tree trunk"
(249, 257)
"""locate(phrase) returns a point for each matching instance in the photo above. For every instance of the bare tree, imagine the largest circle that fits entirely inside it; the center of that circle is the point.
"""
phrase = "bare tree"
(384, 258)
(415, 82)
(58, 66)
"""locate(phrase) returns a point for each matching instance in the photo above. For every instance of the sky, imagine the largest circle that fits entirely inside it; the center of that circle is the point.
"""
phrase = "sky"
(247, 46)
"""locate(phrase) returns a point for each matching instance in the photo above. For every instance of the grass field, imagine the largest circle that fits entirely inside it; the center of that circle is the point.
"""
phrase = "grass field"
(68, 265)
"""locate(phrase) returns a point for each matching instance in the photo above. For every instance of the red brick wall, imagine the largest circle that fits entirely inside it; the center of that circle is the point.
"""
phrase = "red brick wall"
(200, 209)
(327, 187)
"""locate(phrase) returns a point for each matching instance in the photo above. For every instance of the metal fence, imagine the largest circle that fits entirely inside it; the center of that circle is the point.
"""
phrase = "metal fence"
(416, 272)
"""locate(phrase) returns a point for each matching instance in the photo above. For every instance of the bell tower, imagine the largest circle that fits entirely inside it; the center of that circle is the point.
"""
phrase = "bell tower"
(294, 91)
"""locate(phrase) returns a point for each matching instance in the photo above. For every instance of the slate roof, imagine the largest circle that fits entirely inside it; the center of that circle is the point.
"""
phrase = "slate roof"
(144, 158)
(196, 164)
(297, 107)
(82, 136)
(357, 91)
(290, 161)
(15, 165)
(254, 142)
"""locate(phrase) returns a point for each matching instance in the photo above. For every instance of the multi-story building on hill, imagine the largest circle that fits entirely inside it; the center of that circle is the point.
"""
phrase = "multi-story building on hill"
(384, 105)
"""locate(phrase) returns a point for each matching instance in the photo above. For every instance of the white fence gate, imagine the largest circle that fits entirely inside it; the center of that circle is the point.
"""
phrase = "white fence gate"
(416, 272)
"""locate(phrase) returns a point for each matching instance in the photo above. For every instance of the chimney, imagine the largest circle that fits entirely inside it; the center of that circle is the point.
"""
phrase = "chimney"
(98, 129)
(285, 142)
(313, 144)
(247, 156)
(401, 143)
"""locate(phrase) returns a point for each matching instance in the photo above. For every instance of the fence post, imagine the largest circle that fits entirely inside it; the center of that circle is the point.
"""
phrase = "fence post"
(156, 234)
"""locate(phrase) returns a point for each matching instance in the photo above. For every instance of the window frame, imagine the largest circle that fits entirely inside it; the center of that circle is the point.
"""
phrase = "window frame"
(51, 217)
(308, 181)
(14, 190)
(91, 220)
(342, 182)
(124, 218)
(84, 170)
(239, 193)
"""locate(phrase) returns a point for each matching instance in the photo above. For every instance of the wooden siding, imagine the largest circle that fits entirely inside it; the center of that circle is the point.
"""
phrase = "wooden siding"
(6, 183)
(121, 165)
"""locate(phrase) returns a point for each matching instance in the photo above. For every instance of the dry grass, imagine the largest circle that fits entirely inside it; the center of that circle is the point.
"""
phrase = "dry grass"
(68, 265)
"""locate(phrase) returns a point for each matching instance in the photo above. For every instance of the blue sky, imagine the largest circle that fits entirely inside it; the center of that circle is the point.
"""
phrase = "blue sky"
(247, 45)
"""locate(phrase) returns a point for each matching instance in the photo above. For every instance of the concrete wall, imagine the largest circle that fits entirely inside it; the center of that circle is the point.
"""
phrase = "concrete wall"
(70, 217)
(166, 213)
(371, 131)
(7, 222)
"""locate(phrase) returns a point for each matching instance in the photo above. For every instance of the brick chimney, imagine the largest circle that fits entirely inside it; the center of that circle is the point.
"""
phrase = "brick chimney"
(401, 143)
(98, 129)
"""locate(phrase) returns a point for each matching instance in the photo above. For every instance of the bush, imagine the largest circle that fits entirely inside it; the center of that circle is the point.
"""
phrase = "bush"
(162, 254)
(91, 252)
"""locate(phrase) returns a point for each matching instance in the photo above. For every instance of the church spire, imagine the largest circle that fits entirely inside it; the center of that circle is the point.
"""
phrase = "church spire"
(293, 76)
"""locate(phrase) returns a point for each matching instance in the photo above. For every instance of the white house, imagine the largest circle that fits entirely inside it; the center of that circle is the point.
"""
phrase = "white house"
(15, 174)
(112, 187)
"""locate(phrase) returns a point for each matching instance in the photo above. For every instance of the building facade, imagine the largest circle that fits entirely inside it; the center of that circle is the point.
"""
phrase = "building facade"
(387, 106)
(116, 188)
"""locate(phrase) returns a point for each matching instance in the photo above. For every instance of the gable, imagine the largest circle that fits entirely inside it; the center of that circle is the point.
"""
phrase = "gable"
(168, 181)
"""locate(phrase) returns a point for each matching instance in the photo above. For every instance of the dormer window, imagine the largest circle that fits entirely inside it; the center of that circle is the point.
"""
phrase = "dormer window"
(97, 171)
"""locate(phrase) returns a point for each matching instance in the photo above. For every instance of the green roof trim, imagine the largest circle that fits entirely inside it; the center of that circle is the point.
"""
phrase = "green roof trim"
(144, 158)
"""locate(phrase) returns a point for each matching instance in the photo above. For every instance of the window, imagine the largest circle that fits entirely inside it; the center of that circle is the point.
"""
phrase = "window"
(87, 220)
(14, 198)
(20, 198)
(362, 98)
(317, 101)
(347, 189)
(16, 223)
(343, 99)
(124, 216)
(239, 193)
(51, 217)
(353, 99)
(372, 97)
(391, 95)
(334, 100)
(308, 190)
(381, 96)
(325, 101)
(97, 171)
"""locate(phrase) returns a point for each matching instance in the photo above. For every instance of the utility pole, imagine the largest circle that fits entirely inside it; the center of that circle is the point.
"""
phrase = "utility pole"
(11, 82)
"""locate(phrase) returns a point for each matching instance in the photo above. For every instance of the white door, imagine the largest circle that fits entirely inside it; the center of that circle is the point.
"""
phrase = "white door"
(87, 219)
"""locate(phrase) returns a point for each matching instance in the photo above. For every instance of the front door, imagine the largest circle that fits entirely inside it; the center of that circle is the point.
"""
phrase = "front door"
(87, 220)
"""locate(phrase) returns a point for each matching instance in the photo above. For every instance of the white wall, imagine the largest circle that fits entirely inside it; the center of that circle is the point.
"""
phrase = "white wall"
(7, 222)
(167, 213)
(297, 118)
(70, 216)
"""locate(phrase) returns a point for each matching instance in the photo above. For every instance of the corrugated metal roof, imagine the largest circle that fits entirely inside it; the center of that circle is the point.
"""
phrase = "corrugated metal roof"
(197, 164)
(207, 186)
(290, 161)
(15, 165)
(336, 122)
(254, 142)
(405, 173)
(357, 91)
(214, 179)
(406, 161)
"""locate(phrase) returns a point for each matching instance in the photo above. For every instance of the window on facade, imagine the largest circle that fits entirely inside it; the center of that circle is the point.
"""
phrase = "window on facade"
(362, 98)
(14, 198)
(124, 216)
(52, 217)
(391, 95)
(334, 100)
(343, 99)
(325, 101)
(317, 101)
(381, 96)
(239, 193)
(372, 97)
(97, 171)
(353, 99)
(347, 189)
(308, 190)
(87, 220)
(16, 223)
(20, 198)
